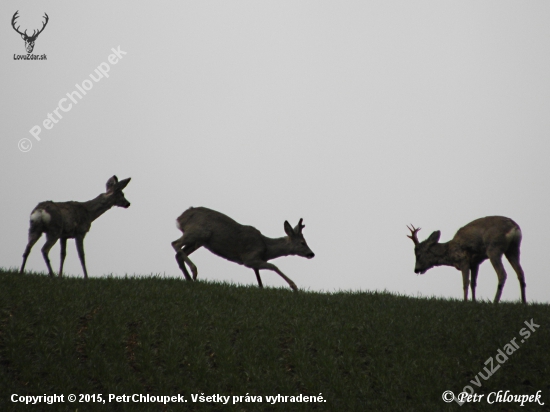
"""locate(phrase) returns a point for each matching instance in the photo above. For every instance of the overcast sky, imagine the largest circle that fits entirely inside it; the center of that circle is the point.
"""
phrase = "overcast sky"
(359, 117)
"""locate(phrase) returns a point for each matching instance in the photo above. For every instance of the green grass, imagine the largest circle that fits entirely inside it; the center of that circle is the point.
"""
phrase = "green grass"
(160, 336)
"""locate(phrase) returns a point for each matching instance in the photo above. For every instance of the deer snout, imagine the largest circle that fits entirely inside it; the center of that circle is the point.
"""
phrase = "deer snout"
(310, 255)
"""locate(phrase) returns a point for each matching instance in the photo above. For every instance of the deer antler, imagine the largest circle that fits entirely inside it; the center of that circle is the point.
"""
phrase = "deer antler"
(35, 33)
(299, 226)
(43, 26)
(15, 16)
(413, 236)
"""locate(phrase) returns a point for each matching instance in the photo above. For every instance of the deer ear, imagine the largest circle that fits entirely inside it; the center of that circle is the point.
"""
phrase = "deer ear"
(122, 184)
(288, 229)
(111, 183)
(434, 237)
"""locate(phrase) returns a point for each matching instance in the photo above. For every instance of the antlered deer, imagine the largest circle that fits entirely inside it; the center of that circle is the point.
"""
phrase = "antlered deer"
(29, 40)
(68, 220)
(488, 237)
(237, 243)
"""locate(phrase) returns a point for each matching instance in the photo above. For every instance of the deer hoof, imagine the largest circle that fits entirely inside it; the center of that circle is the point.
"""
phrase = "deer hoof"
(194, 271)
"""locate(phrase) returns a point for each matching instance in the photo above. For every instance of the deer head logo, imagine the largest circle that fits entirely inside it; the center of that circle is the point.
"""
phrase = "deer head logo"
(29, 40)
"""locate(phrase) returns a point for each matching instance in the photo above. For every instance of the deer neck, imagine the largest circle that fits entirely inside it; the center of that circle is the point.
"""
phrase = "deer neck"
(276, 247)
(96, 207)
(445, 254)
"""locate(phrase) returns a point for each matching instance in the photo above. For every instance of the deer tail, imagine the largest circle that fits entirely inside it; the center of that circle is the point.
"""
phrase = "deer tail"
(40, 217)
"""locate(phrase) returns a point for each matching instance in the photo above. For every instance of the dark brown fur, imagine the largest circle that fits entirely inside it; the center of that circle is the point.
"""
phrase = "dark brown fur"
(237, 243)
(485, 238)
(71, 220)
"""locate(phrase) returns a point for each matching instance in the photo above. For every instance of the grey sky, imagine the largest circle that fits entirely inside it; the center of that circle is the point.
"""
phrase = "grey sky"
(359, 116)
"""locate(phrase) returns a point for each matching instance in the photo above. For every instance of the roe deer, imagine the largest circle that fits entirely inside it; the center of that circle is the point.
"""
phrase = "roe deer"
(68, 220)
(237, 243)
(487, 237)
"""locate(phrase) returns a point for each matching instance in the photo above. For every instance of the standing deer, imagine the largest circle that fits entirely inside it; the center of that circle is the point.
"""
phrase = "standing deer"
(237, 243)
(71, 220)
(488, 237)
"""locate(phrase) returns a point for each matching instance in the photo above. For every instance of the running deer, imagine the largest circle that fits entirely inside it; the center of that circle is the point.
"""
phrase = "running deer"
(488, 237)
(71, 220)
(237, 243)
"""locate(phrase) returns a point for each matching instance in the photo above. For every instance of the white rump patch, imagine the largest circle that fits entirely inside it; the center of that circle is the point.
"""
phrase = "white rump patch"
(40, 215)
(514, 233)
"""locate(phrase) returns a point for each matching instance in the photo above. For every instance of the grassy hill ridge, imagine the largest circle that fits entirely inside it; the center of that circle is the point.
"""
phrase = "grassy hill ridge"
(163, 336)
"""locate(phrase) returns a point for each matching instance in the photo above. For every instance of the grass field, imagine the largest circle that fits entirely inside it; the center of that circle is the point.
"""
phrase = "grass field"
(161, 336)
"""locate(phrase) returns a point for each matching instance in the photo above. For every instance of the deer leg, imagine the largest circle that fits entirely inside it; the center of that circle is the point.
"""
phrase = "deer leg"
(178, 244)
(79, 240)
(182, 257)
(33, 238)
(184, 246)
(188, 249)
(63, 244)
(513, 258)
(181, 263)
(496, 261)
(50, 241)
(257, 272)
(473, 283)
(260, 264)
(465, 281)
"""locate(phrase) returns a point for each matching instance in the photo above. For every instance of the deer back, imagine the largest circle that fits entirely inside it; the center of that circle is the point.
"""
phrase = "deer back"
(488, 232)
(220, 234)
(62, 219)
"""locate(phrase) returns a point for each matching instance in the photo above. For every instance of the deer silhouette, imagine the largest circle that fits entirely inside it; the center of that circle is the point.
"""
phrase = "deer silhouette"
(29, 40)
(71, 220)
(485, 238)
(237, 243)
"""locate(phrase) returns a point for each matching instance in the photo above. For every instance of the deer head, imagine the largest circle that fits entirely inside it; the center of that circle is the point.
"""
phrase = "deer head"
(29, 40)
(299, 245)
(426, 256)
(114, 190)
